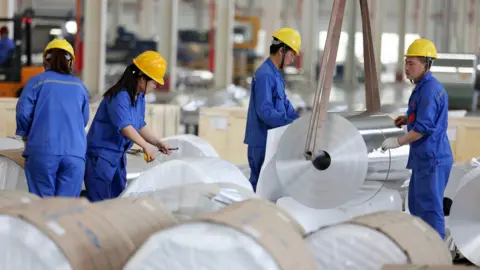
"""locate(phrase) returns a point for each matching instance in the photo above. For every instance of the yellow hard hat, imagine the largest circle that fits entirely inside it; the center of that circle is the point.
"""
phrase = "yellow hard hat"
(289, 37)
(60, 44)
(152, 64)
(423, 48)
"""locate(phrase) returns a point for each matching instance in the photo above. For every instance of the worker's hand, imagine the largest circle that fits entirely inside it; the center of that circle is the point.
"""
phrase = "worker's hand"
(149, 154)
(163, 148)
(401, 121)
(390, 143)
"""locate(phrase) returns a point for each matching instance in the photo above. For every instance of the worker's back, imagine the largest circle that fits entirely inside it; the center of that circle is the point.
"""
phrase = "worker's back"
(56, 108)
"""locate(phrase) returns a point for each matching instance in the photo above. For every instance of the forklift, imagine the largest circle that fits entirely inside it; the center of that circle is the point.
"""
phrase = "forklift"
(20, 66)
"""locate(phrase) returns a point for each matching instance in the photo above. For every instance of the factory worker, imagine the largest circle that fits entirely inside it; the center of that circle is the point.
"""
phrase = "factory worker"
(52, 113)
(269, 106)
(120, 122)
(427, 119)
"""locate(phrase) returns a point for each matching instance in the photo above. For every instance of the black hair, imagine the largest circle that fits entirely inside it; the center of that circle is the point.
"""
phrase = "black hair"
(59, 61)
(426, 60)
(128, 82)
(277, 45)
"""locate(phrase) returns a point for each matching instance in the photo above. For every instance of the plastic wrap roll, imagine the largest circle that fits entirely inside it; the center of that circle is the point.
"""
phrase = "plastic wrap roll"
(369, 241)
(187, 170)
(12, 173)
(74, 234)
(188, 146)
(191, 200)
(246, 235)
(464, 220)
(337, 183)
(136, 165)
(14, 197)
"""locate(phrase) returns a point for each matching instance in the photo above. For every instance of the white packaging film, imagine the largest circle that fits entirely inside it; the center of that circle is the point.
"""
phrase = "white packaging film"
(12, 175)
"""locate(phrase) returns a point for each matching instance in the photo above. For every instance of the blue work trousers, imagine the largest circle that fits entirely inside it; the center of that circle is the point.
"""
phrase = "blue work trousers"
(256, 156)
(425, 195)
(54, 175)
(104, 180)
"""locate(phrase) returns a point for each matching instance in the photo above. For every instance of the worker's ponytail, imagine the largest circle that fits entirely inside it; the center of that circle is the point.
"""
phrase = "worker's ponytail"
(128, 82)
(59, 61)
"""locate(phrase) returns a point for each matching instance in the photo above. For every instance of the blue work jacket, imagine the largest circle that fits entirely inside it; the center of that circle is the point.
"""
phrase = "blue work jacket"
(52, 112)
(428, 114)
(105, 138)
(6, 47)
(269, 106)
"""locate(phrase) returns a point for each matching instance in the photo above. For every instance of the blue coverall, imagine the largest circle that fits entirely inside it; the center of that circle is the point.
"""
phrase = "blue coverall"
(106, 174)
(430, 157)
(52, 113)
(268, 108)
(6, 47)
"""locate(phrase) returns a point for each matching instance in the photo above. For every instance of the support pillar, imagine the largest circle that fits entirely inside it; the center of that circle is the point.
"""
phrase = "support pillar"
(7, 10)
(95, 45)
(446, 44)
(350, 65)
(146, 26)
(461, 38)
(474, 48)
(272, 11)
(116, 14)
(425, 19)
(402, 31)
(377, 35)
(167, 32)
(200, 14)
(310, 33)
(224, 21)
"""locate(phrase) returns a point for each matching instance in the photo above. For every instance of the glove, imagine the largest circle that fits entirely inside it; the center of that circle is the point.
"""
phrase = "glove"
(390, 143)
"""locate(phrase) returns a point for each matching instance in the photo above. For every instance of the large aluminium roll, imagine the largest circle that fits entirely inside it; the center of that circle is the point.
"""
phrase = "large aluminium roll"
(187, 170)
(464, 219)
(192, 200)
(370, 241)
(12, 173)
(254, 235)
(352, 146)
(63, 233)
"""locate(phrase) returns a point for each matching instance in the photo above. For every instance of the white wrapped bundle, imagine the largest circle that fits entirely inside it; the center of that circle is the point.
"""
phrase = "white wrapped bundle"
(12, 173)
(252, 235)
(185, 171)
(188, 146)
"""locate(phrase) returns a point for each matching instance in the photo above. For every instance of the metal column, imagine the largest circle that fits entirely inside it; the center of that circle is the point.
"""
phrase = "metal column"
(402, 31)
(461, 38)
(95, 45)
(377, 39)
(310, 33)
(7, 9)
(200, 14)
(350, 66)
(117, 12)
(272, 10)
(167, 32)
(446, 44)
(224, 20)
(145, 27)
(425, 19)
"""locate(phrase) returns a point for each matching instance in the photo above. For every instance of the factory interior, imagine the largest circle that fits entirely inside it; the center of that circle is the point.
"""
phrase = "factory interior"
(335, 181)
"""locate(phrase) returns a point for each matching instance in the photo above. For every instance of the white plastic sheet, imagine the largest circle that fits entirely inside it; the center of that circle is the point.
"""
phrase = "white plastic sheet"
(188, 146)
(201, 246)
(185, 171)
(12, 176)
(350, 246)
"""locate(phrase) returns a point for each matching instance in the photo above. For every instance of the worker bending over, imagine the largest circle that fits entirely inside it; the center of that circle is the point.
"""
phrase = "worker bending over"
(269, 106)
(52, 113)
(120, 122)
(427, 119)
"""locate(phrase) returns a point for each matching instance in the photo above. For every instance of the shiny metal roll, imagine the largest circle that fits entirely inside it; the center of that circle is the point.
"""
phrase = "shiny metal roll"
(382, 166)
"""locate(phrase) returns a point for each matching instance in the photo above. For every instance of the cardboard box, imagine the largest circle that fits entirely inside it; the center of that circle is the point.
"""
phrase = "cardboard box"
(425, 267)
(14, 197)
(419, 241)
(267, 224)
(94, 236)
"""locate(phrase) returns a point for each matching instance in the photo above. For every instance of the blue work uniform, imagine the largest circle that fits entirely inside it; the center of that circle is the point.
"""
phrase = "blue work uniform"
(268, 108)
(106, 173)
(52, 113)
(430, 157)
(6, 48)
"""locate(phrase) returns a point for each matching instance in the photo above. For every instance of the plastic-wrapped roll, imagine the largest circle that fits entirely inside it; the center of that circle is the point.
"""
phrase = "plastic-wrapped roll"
(188, 146)
(370, 241)
(464, 220)
(74, 234)
(14, 197)
(192, 200)
(247, 235)
(12, 173)
(136, 166)
(187, 170)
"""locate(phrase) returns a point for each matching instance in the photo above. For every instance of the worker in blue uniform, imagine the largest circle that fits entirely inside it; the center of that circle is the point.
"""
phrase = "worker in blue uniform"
(6, 46)
(120, 122)
(52, 113)
(430, 156)
(269, 106)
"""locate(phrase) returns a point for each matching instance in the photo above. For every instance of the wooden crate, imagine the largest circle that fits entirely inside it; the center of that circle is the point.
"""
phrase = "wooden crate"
(463, 133)
(224, 129)
(8, 123)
